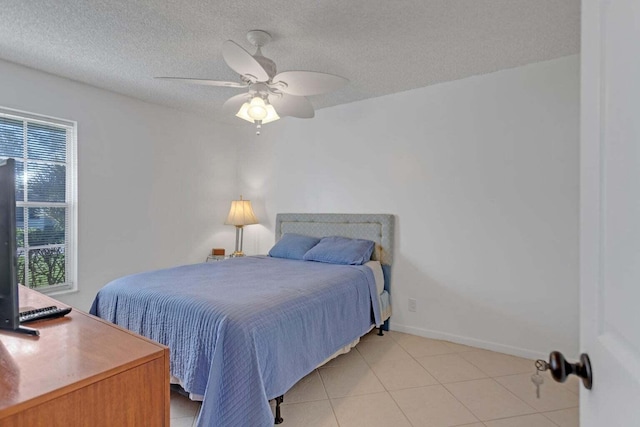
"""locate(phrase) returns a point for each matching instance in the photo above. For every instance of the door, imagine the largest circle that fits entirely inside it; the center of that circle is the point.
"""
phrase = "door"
(610, 211)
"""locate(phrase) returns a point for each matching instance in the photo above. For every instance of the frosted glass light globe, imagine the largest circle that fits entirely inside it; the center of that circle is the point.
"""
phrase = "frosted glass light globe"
(257, 109)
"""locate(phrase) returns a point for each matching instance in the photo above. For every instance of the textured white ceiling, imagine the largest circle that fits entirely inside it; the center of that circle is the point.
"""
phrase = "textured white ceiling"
(381, 46)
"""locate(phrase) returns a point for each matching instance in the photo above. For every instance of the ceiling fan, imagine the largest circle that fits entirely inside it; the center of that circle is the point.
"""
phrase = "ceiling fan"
(269, 96)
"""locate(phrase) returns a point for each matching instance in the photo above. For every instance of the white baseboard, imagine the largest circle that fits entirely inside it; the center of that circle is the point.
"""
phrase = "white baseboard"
(487, 345)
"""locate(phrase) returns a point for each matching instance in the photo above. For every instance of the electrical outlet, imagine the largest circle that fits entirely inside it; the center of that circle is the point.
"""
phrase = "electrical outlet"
(412, 304)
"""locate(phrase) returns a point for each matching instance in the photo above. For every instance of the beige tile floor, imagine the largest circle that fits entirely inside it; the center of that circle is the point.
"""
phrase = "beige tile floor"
(403, 380)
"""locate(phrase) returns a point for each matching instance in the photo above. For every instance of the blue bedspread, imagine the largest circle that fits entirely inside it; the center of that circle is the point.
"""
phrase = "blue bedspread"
(244, 330)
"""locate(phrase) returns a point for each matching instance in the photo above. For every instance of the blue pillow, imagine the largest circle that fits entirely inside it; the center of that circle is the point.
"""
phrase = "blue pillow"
(293, 246)
(341, 250)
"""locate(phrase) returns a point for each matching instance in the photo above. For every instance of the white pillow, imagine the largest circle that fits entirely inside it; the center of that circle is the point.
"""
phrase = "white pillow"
(377, 274)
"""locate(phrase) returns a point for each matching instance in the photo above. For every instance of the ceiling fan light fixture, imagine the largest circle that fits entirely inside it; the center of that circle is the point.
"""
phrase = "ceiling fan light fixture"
(257, 111)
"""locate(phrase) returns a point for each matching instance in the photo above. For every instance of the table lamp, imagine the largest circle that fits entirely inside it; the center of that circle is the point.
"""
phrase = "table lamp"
(240, 214)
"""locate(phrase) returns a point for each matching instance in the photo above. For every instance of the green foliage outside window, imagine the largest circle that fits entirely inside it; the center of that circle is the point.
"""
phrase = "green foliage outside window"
(46, 266)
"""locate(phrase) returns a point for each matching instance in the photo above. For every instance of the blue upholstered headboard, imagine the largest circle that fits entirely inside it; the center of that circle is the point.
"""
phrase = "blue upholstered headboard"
(375, 227)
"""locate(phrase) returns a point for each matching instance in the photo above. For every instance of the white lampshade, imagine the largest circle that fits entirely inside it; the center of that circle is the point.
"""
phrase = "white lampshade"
(257, 110)
(241, 213)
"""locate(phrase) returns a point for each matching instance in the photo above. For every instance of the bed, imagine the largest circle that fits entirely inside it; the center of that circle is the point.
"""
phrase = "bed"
(243, 331)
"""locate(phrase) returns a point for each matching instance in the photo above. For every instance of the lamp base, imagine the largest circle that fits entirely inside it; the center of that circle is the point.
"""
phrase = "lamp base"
(239, 236)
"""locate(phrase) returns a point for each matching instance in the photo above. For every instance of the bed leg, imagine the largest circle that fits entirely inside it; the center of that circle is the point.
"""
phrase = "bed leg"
(279, 400)
(383, 327)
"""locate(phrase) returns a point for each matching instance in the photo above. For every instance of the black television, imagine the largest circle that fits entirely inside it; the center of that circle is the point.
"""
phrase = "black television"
(9, 308)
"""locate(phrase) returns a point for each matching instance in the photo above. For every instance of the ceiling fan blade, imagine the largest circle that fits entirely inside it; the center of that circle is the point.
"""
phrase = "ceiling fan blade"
(233, 104)
(305, 83)
(205, 82)
(291, 105)
(241, 61)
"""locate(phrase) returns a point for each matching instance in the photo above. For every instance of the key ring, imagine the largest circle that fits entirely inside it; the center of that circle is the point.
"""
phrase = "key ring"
(541, 365)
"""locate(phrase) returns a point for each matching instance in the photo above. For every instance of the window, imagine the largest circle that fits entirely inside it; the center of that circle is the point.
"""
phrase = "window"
(44, 150)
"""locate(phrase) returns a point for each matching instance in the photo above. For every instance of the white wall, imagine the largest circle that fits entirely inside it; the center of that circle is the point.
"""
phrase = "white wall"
(154, 184)
(482, 175)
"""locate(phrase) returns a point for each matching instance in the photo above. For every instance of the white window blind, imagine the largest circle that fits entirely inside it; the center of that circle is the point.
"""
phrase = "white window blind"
(44, 150)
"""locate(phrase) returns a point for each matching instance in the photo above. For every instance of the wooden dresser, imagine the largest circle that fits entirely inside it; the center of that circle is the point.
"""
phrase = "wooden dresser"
(81, 371)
